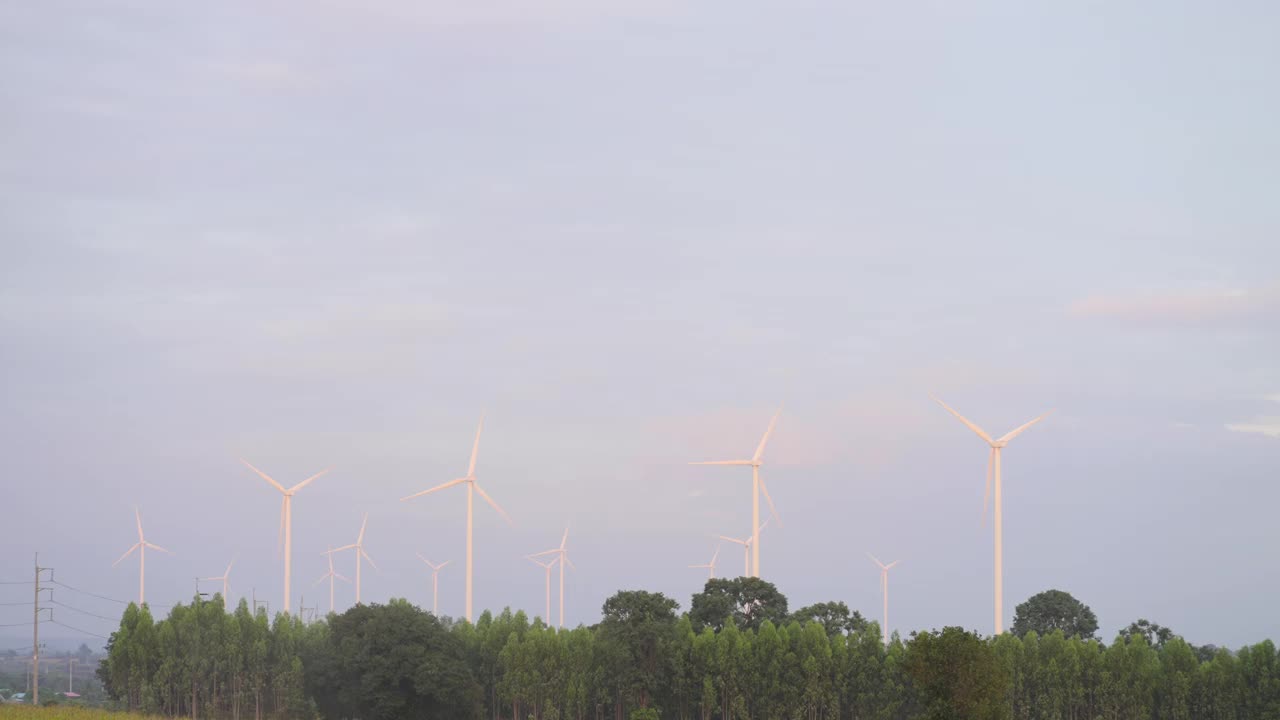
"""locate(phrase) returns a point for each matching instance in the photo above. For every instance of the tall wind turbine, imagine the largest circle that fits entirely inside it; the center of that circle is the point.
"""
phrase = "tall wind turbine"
(141, 546)
(993, 461)
(358, 546)
(472, 487)
(757, 485)
(286, 521)
(747, 544)
(884, 588)
(226, 584)
(547, 565)
(711, 566)
(563, 556)
(330, 576)
(435, 582)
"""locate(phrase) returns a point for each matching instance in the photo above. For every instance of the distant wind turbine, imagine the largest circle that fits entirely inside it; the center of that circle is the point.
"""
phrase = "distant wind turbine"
(141, 546)
(993, 461)
(472, 486)
(435, 582)
(330, 576)
(563, 556)
(884, 588)
(226, 584)
(747, 544)
(286, 521)
(757, 485)
(711, 566)
(546, 565)
(358, 546)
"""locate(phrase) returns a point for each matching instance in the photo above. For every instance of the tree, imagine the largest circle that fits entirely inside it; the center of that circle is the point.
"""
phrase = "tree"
(1055, 610)
(1155, 635)
(640, 625)
(748, 600)
(393, 661)
(834, 617)
(957, 675)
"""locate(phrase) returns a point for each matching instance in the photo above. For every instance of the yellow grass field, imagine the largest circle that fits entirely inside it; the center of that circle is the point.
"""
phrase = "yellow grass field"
(61, 712)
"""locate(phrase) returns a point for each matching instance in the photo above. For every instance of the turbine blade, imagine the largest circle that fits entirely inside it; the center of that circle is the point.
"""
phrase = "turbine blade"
(127, 554)
(890, 565)
(137, 516)
(565, 558)
(733, 540)
(495, 505)
(343, 578)
(371, 562)
(475, 448)
(449, 484)
(227, 574)
(716, 555)
(265, 476)
(322, 579)
(564, 539)
(981, 433)
(423, 559)
(875, 560)
(1014, 433)
(546, 552)
(772, 509)
(765, 440)
(157, 547)
(338, 549)
(722, 462)
(363, 523)
(307, 482)
(437, 567)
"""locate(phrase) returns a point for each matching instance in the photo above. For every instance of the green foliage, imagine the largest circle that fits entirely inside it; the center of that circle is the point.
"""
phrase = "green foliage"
(1055, 610)
(1154, 635)
(958, 676)
(749, 601)
(834, 617)
(643, 661)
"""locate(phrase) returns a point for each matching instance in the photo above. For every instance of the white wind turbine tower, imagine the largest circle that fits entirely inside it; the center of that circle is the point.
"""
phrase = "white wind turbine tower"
(993, 461)
(141, 546)
(757, 485)
(747, 544)
(330, 576)
(358, 546)
(435, 582)
(472, 487)
(563, 556)
(547, 565)
(884, 589)
(226, 584)
(711, 566)
(286, 521)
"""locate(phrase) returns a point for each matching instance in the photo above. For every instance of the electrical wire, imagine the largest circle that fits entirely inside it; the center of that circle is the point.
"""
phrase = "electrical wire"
(86, 632)
(17, 603)
(86, 592)
(82, 612)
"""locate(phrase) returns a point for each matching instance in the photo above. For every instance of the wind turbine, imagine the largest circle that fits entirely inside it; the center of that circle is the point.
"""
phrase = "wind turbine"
(435, 582)
(286, 521)
(330, 577)
(884, 588)
(358, 546)
(747, 544)
(472, 487)
(993, 460)
(141, 546)
(226, 584)
(564, 558)
(711, 566)
(757, 485)
(547, 565)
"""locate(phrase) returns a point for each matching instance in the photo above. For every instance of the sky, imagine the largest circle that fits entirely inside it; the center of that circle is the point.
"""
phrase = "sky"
(333, 234)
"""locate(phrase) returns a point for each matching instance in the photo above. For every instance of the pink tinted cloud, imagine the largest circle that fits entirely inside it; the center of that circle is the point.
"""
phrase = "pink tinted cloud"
(1231, 308)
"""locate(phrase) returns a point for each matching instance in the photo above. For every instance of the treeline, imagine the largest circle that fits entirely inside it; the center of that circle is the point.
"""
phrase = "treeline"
(736, 655)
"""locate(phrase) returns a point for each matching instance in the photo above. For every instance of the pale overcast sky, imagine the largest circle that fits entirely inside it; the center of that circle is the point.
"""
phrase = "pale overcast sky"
(333, 233)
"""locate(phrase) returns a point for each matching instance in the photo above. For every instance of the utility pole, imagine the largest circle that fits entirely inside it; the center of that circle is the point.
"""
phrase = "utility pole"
(71, 672)
(35, 636)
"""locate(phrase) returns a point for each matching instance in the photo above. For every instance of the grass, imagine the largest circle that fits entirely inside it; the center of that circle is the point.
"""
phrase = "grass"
(11, 711)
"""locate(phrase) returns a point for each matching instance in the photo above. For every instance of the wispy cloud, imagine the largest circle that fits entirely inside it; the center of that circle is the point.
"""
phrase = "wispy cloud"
(1193, 309)
(1264, 425)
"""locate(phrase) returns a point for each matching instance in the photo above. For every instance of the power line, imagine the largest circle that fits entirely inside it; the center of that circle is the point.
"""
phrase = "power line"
(86, 592)
(86, 632)
(17, 603)
(82, 612)
(17, 582)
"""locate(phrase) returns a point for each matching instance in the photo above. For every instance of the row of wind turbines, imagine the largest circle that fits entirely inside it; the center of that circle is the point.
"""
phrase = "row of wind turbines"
(548, 560)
